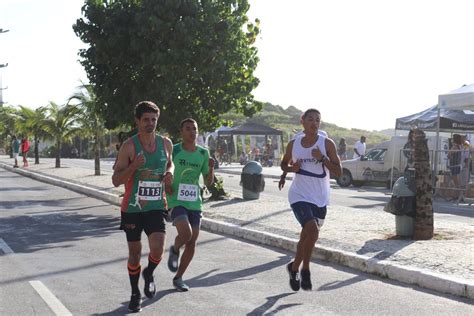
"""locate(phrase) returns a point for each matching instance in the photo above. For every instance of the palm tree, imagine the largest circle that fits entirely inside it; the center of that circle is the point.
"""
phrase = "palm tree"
(89, 118)
(61, 124)
(8, 116)
(32, 122)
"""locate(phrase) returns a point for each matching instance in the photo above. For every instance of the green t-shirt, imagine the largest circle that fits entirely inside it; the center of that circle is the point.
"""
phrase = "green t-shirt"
(188, 166)
(16, 146)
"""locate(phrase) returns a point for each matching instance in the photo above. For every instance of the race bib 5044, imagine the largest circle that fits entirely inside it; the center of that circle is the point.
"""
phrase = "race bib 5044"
(188, 192)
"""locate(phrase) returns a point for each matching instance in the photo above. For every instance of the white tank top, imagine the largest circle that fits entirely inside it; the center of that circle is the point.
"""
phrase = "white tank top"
(311, 183)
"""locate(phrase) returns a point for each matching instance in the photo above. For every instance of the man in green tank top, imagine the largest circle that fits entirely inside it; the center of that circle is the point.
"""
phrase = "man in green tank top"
(185, 201)
(144, 165)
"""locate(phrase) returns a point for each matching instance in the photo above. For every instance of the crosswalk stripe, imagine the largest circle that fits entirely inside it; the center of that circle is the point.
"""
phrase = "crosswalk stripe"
(5, 248)
(56, 306)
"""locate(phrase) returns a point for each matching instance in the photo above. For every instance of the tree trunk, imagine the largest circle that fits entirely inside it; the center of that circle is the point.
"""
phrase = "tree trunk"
(97, 154)
(58, 154)
(37, 160)
(424, 188)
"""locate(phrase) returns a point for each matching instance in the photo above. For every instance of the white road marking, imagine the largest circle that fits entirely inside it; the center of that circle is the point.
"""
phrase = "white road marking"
(56, 306)
(3, 245)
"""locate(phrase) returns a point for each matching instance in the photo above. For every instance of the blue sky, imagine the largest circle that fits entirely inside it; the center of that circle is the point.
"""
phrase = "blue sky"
(361, 63)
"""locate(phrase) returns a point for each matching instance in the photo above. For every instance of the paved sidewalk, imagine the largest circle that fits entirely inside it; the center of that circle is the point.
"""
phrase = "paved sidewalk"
(358, 238)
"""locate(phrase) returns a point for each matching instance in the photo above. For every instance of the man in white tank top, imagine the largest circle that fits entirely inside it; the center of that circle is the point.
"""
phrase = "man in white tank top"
(313, 158)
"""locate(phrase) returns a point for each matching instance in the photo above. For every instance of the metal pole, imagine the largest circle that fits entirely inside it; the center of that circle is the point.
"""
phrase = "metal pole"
(437, 150)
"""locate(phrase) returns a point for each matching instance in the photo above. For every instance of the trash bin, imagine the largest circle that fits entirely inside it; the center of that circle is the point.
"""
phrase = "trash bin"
(402, 204)
(252, 181)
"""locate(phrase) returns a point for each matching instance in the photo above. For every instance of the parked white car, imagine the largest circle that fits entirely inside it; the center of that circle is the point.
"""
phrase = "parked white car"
(379, 162)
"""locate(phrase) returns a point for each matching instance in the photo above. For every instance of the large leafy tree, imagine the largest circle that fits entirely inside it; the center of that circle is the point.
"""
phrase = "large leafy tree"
(61, 124)
(31, 122)
(192, 57)
(91, 122)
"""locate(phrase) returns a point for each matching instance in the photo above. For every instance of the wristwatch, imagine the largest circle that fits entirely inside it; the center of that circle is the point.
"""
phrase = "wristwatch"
(322, 159)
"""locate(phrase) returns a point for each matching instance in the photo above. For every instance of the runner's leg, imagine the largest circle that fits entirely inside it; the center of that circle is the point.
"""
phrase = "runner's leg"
(188, 252)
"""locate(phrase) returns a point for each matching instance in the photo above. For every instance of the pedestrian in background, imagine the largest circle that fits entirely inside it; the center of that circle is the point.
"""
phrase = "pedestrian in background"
(466, 164)
(341, 149)
(25, 148)
(455, 162)
(16, 150)
(359, 148)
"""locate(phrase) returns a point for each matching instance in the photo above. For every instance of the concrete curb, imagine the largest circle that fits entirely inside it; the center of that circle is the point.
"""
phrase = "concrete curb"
(383, 268)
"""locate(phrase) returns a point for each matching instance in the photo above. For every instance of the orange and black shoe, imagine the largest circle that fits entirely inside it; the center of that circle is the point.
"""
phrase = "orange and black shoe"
(149, 288)
(135, 304)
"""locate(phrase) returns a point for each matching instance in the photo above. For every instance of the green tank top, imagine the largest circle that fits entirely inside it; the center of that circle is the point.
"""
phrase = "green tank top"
(144, 191)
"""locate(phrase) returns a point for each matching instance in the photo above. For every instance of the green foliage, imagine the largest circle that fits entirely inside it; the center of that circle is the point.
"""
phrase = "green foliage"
(89, 111)
(61, 124)
(194, 58)
(7, 119)
(30, 122)
(89, 118)
(217, 189)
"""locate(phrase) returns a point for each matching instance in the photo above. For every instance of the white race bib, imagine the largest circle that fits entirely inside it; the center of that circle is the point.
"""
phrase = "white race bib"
(149, 190)
(188, 192)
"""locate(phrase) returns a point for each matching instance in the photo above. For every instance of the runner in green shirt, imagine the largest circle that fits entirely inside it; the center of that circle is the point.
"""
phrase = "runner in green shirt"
(185, 201)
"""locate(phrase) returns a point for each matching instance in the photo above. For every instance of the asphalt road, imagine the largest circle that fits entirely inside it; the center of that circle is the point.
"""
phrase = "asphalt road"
(62, 251)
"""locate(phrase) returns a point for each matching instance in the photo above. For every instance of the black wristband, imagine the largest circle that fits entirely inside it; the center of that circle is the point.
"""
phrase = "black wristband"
(322, 159)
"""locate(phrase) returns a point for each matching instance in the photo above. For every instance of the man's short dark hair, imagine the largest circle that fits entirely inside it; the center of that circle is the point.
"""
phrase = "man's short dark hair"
(308, 111)
(187, 120)
(145, 107)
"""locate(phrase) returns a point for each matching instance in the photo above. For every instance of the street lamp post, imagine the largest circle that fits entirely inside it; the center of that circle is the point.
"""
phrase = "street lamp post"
(2, 66)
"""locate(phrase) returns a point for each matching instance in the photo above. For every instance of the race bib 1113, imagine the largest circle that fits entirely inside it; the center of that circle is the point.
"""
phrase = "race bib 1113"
(150, 190)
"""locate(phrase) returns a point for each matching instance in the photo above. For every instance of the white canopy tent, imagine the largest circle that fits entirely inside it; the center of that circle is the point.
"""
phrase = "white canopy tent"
(460, 99)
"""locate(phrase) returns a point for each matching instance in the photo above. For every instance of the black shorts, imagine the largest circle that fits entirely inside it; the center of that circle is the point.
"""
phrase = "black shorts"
(134, 223)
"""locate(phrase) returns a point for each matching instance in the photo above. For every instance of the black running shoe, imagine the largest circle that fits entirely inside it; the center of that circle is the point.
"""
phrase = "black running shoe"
(180, 285)
(306, 280)
(294, 277)
(135, 304)
(149, 288)
(173, 260)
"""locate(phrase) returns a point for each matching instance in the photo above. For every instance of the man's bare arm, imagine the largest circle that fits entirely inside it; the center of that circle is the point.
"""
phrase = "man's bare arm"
(333, 163)
(169, 172)
(126, 164)
(285, 162)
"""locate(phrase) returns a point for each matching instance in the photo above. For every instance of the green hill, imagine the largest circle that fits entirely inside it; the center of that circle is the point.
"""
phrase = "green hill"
(288, 120)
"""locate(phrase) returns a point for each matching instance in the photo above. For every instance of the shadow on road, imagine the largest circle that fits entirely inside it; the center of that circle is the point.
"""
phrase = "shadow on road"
(45, 231)
(230, 202)
(271, 301)
(206, 279)
(338, 284)
(379, 246)
(29, 277)
(22, 189)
